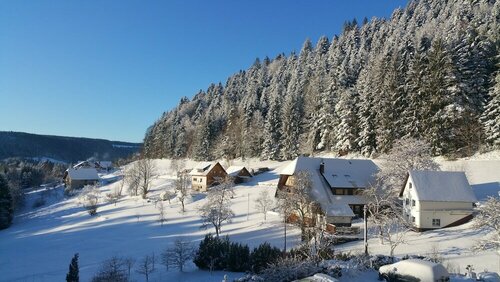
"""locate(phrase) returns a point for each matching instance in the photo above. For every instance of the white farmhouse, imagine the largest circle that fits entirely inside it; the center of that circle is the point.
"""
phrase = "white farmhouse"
(436, 199)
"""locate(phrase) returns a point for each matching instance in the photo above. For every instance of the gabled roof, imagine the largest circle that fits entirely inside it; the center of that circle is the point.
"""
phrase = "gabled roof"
(84, 164)
(203, 168)
(234, 170)
(339, 173)
(441, 186)
(83, 174)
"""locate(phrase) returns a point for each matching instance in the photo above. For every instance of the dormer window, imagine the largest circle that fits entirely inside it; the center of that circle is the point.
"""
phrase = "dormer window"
(347, 175)
(334, 175)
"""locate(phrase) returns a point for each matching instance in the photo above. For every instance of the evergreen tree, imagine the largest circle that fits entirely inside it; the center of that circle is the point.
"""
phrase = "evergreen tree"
(6, 205)
(427, 73)
(491, 116)
(73, 273)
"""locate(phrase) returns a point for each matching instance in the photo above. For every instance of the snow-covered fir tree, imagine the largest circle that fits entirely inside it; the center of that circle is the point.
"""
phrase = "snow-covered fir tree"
(427, 72)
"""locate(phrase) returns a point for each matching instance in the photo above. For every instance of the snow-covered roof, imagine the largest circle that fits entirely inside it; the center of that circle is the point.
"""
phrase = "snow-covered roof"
(84, 164)
(105, 164)
(360, 173)
(203, 168)
(83, 174)
(234, 170)
(442, 186)
(339, 173)
(421, 269)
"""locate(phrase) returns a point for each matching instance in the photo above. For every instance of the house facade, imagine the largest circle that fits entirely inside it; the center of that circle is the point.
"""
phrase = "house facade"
(337, 185)
(239, 174)
(77, 178)
(206, 175)
(437, 199)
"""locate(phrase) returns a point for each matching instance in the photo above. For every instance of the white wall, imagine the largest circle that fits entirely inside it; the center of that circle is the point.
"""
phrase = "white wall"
(425, 211)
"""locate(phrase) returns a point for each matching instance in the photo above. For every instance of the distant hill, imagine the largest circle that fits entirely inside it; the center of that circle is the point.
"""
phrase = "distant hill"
(68, 149)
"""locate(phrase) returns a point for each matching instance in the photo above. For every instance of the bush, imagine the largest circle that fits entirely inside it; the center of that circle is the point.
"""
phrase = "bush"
(212, 253)
(290, 269)
(238, 258)
(262, 256)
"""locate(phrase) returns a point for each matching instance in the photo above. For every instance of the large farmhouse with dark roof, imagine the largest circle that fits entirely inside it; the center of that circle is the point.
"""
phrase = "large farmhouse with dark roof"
(337, 185)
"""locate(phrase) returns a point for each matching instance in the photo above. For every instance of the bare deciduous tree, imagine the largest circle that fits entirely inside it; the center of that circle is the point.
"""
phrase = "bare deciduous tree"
(162, 213)
(216, 210)
(488, 218)
(406, 154)
(129, 263)
(264, 203)
(299, 201)
(166, 195)
(146, 267)
(394, 228)
(382, 196)
(182, 189)
(89, 198)
(178, 255)
(139, 176)
(113, 269)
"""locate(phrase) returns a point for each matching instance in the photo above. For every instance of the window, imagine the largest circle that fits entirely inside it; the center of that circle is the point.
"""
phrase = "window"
(412, 203)
(409, 185)
(407, 201)
(413, 219)
(436, 222)
(195, 179)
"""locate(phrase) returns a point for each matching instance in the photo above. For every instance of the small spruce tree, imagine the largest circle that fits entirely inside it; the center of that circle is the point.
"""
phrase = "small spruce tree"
(72, 275)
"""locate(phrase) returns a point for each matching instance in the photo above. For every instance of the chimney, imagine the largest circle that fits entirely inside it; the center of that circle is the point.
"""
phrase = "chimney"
(322, 167)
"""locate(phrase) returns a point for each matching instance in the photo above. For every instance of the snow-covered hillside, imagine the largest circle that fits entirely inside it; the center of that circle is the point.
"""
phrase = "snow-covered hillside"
(41, 242)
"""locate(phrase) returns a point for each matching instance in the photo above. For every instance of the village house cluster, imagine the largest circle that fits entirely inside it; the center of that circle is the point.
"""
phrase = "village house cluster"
(430, 199)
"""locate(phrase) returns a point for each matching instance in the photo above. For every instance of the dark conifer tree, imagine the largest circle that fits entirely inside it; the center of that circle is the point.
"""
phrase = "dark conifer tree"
(73, 273)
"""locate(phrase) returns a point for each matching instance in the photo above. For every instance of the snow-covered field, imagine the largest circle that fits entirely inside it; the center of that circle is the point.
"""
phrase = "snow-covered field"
(40, 243)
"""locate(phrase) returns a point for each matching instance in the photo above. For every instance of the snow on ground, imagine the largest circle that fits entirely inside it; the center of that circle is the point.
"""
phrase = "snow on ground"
(40, 243)
(453, 244)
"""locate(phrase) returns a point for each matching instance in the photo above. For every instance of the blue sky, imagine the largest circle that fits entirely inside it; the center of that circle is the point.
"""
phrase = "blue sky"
(109, 69)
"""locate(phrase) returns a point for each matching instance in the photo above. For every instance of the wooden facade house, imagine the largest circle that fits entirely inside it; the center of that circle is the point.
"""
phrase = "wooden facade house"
(206, 175)
(337, 185)
(239, 174)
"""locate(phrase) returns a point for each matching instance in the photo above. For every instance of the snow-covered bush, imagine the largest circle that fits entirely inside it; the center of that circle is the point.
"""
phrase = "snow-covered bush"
(89, 198)
(290, 269)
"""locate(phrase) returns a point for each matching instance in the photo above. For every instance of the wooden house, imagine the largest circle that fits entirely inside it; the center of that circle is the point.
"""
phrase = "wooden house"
(239, 174)
(437, 199)
(206, 175)
(337, 185)
(77, 178)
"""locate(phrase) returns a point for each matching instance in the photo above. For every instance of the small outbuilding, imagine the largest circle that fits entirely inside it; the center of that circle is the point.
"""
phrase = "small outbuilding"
(206, 175)
(239, 174)
(77, 178)
(437, 199)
